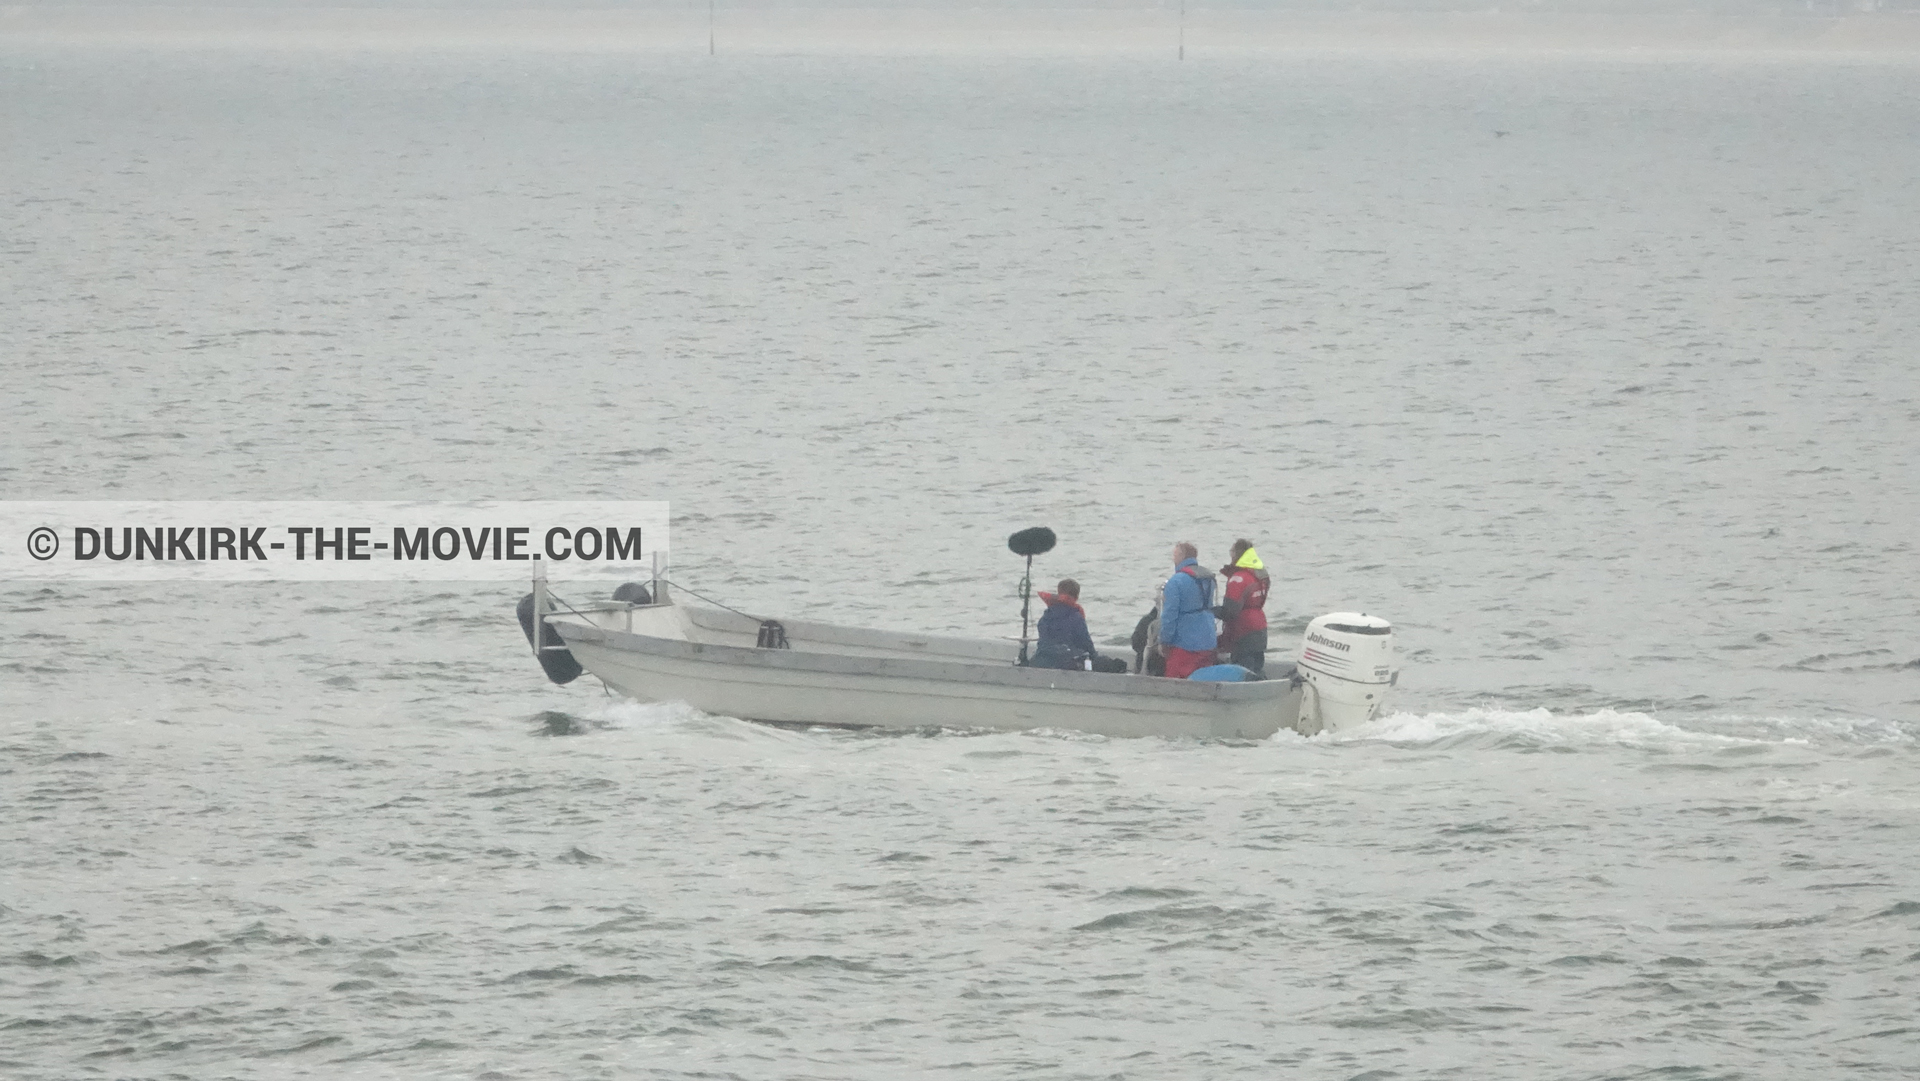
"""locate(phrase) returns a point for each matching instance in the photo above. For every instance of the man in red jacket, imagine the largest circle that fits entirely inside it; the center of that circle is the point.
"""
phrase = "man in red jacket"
(1064, 641)
(1243, 636)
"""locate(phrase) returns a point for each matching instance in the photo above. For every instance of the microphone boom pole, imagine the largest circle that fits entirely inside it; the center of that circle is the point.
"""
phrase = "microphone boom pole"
(1029, 542)
(1026, 601)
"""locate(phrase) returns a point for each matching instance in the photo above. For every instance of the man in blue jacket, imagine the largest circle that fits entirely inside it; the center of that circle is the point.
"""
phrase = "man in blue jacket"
(1187, 632)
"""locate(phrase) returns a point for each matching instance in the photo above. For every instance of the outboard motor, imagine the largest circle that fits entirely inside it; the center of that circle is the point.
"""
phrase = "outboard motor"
(1346, 663)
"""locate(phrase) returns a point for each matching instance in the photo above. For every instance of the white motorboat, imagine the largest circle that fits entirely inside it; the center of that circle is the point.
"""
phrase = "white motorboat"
(806, 673)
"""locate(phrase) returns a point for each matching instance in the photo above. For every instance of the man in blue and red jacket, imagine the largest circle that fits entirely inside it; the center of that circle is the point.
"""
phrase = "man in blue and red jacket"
(1187, 634)
(1064, 641)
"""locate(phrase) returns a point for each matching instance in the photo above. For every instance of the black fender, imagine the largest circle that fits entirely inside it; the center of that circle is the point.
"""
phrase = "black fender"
(558, 664)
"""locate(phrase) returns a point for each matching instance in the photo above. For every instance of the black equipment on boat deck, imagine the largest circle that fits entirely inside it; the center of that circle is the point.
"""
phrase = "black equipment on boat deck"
(555, 659)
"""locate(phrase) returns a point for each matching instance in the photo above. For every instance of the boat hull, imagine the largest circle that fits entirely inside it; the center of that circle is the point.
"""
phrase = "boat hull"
(796, 686)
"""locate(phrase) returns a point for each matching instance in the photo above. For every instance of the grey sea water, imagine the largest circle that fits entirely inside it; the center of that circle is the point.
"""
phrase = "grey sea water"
(1595, 375)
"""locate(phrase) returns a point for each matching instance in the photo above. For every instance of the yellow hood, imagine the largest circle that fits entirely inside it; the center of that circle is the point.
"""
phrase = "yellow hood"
(1251, 561)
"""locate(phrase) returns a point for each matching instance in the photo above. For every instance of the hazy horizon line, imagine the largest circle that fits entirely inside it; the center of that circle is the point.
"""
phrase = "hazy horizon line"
(920, 29)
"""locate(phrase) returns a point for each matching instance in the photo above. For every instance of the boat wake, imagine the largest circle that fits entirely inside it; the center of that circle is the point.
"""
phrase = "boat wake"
(1543, 728)
(1535, 729)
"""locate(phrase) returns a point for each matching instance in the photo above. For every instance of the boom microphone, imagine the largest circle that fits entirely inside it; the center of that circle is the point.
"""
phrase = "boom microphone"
(1031, 542)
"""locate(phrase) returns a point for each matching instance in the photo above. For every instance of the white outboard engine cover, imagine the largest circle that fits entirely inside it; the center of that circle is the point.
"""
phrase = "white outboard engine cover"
(1347, 664)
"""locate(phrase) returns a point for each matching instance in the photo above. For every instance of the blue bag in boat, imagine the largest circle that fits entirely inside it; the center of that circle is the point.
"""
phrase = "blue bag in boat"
(1221, 673)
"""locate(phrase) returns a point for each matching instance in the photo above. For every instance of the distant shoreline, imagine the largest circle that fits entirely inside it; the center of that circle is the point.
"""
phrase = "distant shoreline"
(896, 31)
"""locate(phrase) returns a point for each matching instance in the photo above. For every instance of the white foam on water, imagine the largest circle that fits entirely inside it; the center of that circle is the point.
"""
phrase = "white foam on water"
(1483, 726)
(672, 719)
(1603, 727)
(1818, 730)
(1608, 727)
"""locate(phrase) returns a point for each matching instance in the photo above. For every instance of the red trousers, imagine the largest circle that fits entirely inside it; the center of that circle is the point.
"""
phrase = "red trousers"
(1182, 663)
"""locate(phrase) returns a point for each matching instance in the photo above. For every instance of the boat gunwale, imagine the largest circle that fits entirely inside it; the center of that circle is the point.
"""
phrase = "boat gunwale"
(1005, 675)
(714, 619)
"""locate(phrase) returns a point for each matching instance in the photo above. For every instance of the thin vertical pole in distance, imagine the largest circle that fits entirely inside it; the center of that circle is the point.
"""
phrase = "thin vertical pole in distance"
(1026, 598)
(710, 26)
(1183, 29)
(539, 606)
